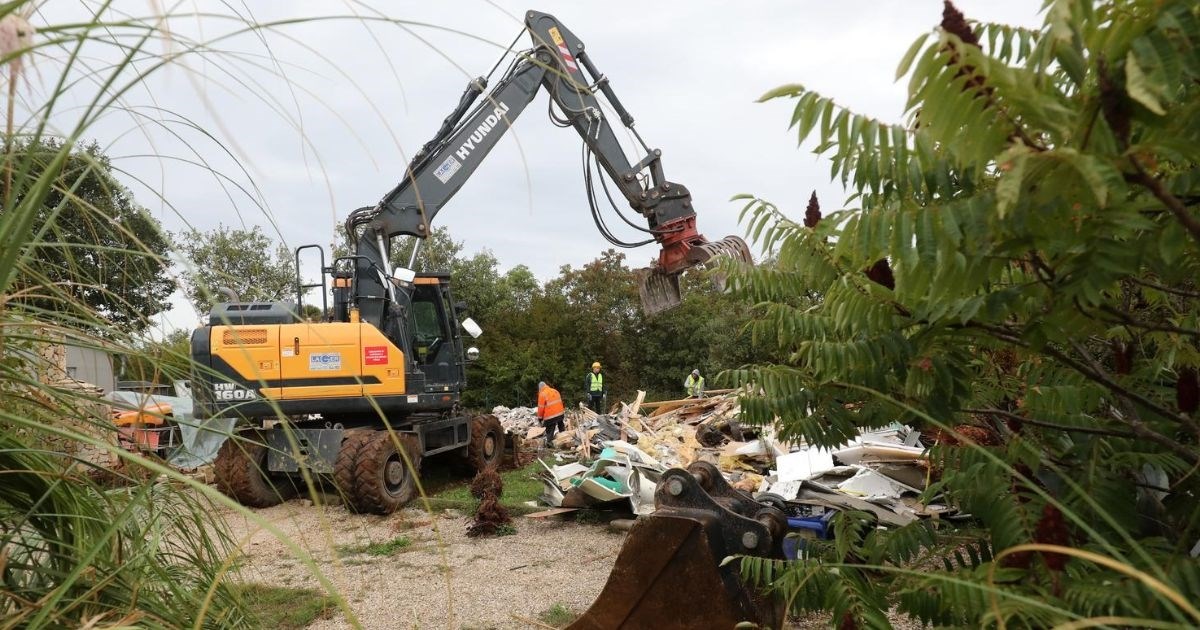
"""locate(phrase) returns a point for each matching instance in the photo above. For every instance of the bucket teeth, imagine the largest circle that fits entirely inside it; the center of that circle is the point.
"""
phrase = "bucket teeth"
(659, 291)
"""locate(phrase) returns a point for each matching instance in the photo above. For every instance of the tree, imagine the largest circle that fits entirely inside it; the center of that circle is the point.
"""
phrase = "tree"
(97, 252)
(161, 361)
(247, 261)
(601, 311)
(437, 253)
(1019, 280)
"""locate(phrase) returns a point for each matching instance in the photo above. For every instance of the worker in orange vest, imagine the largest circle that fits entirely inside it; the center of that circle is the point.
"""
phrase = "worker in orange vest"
(550, 411)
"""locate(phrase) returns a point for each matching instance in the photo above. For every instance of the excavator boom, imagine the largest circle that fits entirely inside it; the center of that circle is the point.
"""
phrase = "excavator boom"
(560, 64)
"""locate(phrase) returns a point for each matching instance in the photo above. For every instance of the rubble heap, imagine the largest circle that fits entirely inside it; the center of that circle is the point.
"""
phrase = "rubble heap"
(516, 420)
(882, 471)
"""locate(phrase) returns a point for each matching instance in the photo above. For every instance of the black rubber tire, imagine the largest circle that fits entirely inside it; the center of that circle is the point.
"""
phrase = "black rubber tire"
(772, 500)
(343, 467)
(373, 475)
(486, 447)
(241, 472)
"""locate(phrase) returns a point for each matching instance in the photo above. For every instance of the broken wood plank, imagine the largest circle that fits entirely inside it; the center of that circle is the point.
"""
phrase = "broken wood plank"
(637, 403)
(674, 404)
(707, 394)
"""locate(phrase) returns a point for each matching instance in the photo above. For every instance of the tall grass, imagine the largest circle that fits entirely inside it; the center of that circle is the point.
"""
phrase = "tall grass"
(92, 535)
(76, 549)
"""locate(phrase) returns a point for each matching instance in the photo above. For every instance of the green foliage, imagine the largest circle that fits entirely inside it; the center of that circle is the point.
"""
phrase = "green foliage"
(554, 332)
(98, 252)
(284, 607)
(447, 489)
(92, 535)
(158, 361)
(557, 615)
(385, 548)
(436, 253)
(247, 261)
(1017, 278)
(75, 552)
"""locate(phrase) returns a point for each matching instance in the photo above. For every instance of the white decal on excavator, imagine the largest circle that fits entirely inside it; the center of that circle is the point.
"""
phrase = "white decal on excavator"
(481, 131)
(233, 391)
(447, 169)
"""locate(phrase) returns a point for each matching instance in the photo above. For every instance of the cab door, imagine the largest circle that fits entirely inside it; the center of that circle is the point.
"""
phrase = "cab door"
(320, 361)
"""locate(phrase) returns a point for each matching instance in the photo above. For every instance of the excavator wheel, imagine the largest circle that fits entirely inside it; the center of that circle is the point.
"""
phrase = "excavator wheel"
(487, 443)
(375, 477)
(241, 472)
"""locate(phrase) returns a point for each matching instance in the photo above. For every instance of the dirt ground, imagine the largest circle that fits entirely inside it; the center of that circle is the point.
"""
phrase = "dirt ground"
(437, 577)
(440, 578)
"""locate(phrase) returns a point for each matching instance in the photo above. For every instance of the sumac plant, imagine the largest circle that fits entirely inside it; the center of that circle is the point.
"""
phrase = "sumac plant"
(1017, 274)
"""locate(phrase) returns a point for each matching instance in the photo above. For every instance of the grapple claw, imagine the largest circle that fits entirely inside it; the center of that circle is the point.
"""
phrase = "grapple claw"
(658, 290)
(658, 286)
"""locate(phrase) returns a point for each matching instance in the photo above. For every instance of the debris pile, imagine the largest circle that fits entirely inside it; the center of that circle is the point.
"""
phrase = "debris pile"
(621, 473)
(881, 472)
(621, 457)
(588, 432)
(517, 420)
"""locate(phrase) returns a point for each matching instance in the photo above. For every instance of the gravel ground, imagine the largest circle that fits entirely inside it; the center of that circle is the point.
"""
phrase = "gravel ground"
(443, 579)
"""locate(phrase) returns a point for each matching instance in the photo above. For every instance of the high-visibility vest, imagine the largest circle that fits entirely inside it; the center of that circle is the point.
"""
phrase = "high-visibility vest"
(596, 382)
(550, 403)
(694, 385)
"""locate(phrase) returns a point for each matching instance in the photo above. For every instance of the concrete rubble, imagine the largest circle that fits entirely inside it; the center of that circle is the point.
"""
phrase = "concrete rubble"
(614, 461)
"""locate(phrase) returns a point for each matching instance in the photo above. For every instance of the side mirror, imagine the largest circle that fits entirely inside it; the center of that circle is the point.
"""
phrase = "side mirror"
(472, 353)
(404, 275)
(472, 328)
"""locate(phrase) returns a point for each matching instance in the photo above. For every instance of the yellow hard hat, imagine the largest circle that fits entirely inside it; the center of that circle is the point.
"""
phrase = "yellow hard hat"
(596, 364)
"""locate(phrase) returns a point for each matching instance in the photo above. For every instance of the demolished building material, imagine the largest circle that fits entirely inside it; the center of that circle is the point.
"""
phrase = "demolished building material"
(883, 471)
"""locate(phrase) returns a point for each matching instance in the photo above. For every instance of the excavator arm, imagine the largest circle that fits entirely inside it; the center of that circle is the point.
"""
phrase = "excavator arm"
(559, 63)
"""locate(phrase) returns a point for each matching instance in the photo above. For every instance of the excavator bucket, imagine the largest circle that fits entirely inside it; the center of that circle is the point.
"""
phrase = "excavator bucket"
(669, 572)
(659, 291)
(658, 286)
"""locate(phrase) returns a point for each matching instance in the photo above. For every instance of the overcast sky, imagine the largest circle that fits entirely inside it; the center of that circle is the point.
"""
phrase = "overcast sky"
(312, 120)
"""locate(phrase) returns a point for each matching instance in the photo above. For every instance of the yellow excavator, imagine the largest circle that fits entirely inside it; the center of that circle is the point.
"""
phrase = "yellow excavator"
(361, 398)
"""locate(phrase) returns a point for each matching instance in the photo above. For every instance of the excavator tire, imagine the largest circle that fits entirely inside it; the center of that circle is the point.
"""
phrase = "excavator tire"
(241, 472)
(343, 467)
(373, 475)
(487, 443)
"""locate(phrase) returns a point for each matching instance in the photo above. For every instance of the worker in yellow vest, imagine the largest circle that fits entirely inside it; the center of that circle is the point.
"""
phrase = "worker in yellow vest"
(694, 385)
(593, 386)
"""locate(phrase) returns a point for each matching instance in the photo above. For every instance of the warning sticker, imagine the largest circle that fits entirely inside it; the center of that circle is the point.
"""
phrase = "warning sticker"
(447, 169)
(568, 60)
(375, 355)
(325, 361)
